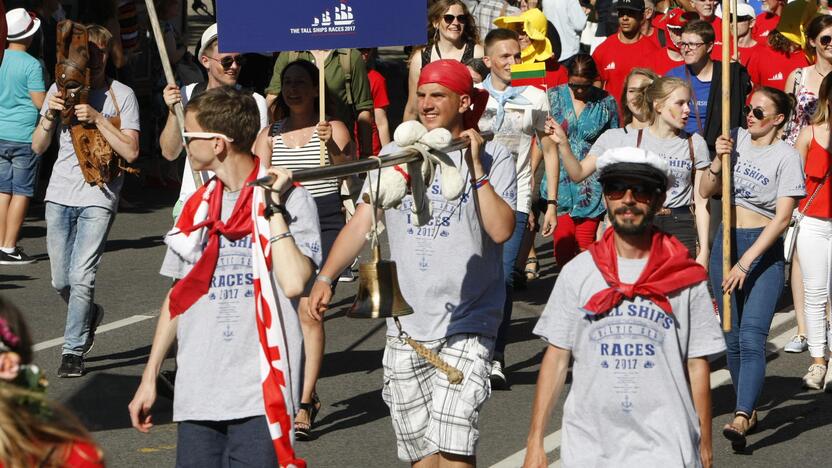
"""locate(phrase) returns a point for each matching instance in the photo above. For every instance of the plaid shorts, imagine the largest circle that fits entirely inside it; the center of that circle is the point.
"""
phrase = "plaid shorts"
(429, 414)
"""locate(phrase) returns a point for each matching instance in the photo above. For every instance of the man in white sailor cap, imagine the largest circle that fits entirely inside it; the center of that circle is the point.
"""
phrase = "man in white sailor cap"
(635, 314)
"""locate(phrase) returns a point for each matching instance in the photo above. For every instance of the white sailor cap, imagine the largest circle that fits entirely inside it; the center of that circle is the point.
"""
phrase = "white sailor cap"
(633, 162)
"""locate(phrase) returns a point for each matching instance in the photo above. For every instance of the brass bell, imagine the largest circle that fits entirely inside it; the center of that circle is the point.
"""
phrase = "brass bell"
(378, 290)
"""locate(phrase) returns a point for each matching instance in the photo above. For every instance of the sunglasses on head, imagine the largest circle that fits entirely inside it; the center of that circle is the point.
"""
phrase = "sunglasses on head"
(228, 61)
(757, 112)
(825, 40)
(642, 193)
(449, 19)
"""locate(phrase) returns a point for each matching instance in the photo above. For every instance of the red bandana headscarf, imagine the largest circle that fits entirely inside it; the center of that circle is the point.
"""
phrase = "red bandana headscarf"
(456, 77)
(669, 269)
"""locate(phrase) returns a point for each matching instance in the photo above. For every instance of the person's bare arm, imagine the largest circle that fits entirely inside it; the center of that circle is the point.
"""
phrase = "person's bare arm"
(711, 183)
(550, 383)
(145, 396)
(295, 267)
(577, 170)
(365, 133)
(263, 147)
(496, 216)
(552, 167)
(415, 68)
(123, 142)
(37, 98)
(699, 373)
(170, 140)
(42, 136)
(702, 215)
(382, 124)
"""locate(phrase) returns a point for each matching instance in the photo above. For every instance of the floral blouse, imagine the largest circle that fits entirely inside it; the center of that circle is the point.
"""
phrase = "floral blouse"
(582, 199)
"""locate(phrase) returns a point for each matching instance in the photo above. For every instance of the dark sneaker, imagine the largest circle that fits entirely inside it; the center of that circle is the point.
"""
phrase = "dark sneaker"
(18, 257)
(95, 320)
(72, 365)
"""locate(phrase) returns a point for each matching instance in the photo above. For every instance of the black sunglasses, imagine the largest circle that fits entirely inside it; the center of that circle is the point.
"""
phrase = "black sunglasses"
(578, 86)
(228, 60)
(757, 112)
(449, 19)
(642, 193)
(825, 40)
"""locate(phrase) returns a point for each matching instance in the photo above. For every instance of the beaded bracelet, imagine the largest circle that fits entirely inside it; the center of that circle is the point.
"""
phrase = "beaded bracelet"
(742, 268)
(277, 237)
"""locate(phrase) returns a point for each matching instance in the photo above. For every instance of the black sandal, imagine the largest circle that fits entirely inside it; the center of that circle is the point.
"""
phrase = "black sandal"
(303, 430)
(532, 273)
(735, 434)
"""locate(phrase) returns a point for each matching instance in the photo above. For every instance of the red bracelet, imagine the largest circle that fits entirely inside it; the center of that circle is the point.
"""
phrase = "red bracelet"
(478, 184)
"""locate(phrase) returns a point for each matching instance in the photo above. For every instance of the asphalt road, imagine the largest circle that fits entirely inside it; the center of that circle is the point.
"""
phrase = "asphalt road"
(353, 428)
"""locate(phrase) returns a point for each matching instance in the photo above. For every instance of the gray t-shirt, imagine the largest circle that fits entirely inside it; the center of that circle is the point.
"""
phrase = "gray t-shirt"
(449, 270)
(764, 174)
(218, 362)
(67, 185)
(630, 401)
(675, 150)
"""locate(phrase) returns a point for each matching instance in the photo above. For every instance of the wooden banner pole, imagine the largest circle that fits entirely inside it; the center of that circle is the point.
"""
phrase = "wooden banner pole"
(727, 174)
(320, 61)
(163, 55)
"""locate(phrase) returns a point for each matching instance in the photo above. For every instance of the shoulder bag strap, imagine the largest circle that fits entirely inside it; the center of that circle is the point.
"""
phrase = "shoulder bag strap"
(695, 101)
(344, 56)
(692, 169)
(115, 101)
(639, 137)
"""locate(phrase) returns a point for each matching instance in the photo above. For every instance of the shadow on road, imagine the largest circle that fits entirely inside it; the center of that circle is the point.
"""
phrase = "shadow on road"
(8, 281)
(101, 403)
(353, 412)
(147, 242)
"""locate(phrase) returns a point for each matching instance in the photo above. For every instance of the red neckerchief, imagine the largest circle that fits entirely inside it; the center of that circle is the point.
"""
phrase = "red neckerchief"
(668, 269)
(196, 283)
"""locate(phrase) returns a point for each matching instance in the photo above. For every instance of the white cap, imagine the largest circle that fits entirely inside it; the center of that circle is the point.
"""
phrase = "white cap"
(208, 36)
(743, 9)
(634, 162)
(21, 24)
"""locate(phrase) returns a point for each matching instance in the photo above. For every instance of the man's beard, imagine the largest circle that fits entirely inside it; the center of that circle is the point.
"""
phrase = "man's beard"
(631, 228)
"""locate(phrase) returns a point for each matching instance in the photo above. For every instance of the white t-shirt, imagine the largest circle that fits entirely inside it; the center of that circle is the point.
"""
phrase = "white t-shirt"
(516, 132)
(630, 403)
(188, 186)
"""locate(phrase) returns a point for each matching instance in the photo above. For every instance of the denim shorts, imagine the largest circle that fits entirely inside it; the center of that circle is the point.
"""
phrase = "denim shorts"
(18, 168)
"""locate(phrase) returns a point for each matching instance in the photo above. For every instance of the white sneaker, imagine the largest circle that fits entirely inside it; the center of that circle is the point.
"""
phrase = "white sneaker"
(827, 382)
(814, 378)
(498, 378)
(798, 344)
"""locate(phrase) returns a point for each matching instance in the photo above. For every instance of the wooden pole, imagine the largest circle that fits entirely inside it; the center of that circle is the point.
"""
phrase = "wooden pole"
(163, 55)
(727, 174)
(734, 27)
(320, 61)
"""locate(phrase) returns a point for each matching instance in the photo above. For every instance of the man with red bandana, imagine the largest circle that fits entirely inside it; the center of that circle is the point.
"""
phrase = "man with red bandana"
(635, 313)
(450, 272)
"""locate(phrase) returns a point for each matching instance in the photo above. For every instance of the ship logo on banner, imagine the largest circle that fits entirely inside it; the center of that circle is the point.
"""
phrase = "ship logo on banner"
(343, 22)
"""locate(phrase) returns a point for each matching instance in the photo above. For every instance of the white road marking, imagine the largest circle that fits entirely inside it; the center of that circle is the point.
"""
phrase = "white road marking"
(718, 378)
(101, 329)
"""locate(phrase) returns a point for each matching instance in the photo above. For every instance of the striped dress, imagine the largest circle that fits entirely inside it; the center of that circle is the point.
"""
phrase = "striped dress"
(305, 157)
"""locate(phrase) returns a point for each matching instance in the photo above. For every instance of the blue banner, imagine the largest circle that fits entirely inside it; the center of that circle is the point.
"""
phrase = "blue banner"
(277, 25)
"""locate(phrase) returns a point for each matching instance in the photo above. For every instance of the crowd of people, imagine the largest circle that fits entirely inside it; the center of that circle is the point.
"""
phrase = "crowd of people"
(615, 158)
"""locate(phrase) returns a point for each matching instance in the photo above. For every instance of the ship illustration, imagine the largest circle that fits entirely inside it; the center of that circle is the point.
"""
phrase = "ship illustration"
(343, 15)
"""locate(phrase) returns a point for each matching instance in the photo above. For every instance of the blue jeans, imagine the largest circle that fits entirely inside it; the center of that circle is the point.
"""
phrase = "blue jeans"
(510, 251)
(225, 444)
(75, 237)
(18, 168)
(752, 310)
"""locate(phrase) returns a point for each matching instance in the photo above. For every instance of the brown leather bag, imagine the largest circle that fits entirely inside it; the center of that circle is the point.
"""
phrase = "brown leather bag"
(98, 162)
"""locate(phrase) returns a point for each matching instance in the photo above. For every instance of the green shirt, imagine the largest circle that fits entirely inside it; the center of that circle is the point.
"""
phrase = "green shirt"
(335, 81)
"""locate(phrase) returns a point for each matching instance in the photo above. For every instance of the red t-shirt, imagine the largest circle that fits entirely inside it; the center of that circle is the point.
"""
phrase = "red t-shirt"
(768, 67)
(662, 62)
(615, 60)
(378, 89)
(716, 53)
(766, 23)
(746, 53)
(556, 75)
(654, 37)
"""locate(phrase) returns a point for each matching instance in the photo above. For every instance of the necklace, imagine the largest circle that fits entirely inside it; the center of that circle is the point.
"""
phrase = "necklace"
(822, 75)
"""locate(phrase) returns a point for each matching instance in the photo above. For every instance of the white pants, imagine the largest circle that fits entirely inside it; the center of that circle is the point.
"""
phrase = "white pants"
(814, 247)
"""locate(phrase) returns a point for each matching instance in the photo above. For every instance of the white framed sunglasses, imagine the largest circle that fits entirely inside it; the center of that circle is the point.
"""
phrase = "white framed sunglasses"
(204, 136)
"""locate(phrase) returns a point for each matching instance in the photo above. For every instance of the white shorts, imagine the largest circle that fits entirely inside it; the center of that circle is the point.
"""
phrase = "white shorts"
(429, 414)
